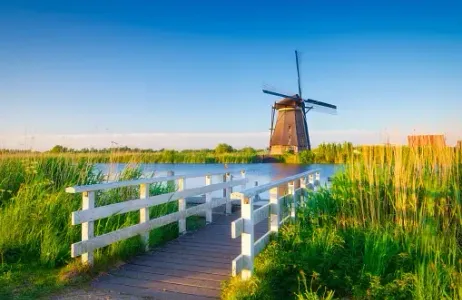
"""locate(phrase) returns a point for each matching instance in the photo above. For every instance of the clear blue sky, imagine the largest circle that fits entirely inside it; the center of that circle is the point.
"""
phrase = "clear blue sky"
(93, 67)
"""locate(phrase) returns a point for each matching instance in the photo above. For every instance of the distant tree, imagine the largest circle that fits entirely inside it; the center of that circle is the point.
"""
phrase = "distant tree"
(223, 148)
(249, 150)
(58, 149)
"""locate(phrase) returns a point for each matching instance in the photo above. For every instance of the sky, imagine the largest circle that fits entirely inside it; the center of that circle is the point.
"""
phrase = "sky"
(189, 74)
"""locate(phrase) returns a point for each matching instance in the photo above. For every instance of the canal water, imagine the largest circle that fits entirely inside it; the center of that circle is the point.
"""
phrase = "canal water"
(260, 172)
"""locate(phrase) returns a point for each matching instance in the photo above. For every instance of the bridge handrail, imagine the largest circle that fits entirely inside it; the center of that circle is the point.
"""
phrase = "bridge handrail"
(272, 211)
(125, 183)
(90, 213)
(252, 192)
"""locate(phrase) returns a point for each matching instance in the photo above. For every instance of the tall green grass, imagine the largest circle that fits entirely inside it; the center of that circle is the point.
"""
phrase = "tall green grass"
(35, 227)
(389, 228)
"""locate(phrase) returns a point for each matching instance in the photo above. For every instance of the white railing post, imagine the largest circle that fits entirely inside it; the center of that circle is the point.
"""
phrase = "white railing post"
(181, 206)
(247, 237)
(257, 197)
(317, 179)
(243, 177)
(229, 190)
(290, 191)
(311, 181)
(275, 208)
(144, 215)
(224, 180)
(208, 200)
(295, 197)
(303, 182)
(88, 229)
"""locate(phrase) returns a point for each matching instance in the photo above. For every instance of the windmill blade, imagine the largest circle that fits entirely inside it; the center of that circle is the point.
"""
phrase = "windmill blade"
(279, 94)
(298, 74)
(316, 102)
(328, 109)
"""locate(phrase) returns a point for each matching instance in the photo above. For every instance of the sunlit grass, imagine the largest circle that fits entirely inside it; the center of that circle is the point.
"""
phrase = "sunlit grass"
(35, 228)
(389, 228)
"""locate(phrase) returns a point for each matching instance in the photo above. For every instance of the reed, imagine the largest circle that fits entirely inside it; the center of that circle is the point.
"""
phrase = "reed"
(35, 227)
(389, 228)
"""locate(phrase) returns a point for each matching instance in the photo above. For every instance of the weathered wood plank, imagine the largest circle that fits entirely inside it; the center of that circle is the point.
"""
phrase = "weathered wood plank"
(174, 272)
(202, 252)
(146, 292)
(136, 274)
(97, 213)
(218, 270)
(161, 286)
(223, 243)
(167, 256)
(200, 247)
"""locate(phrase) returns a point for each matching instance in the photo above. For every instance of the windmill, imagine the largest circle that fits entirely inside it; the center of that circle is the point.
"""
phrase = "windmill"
(291, 129)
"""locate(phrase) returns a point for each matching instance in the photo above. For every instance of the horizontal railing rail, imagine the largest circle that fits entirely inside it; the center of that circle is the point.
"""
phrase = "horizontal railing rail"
(244, 226)
(90, 213)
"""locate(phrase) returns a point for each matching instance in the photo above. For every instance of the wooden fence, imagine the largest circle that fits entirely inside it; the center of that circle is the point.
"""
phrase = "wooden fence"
(279, 190)
(90, 213)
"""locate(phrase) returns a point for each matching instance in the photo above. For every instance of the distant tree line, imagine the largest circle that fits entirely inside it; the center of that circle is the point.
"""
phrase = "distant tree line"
(221, 148)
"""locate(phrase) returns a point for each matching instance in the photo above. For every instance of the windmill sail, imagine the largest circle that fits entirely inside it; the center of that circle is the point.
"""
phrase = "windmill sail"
(291, 129)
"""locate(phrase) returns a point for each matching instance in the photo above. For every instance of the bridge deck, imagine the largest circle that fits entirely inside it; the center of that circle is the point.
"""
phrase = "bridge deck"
(189, 267)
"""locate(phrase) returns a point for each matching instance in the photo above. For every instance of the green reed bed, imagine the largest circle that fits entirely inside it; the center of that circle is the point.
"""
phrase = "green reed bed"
(35, 228)
(389, 228)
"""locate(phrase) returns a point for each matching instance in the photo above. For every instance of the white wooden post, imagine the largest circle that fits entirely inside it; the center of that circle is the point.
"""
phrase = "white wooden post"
(224, 180)
(303, 182)
(243, 177)
(208, 199)
(181, 206)
(290, 191)
(144, 215)
(229, 190)
(88, 229)
(275, 217)
(317, 179)
(311, 182)
(257, 197)
(295, 197)
(247, 237)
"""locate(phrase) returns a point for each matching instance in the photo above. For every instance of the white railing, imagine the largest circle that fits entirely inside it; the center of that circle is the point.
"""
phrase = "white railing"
(90, 213)
(244, 226)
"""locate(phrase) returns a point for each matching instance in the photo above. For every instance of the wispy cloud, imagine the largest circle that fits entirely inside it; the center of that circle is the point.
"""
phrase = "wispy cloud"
(194, 140)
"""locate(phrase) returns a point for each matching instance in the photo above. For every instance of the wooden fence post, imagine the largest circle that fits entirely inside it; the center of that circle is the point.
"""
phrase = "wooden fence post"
(275, 208)
(181, 206)
(88, 229)
(247, 237)
(229, 190)
(311, 181)
(243, 177)
(144, 215)
(317, 179)
(208, 199)
(296, 198)
(303, 182)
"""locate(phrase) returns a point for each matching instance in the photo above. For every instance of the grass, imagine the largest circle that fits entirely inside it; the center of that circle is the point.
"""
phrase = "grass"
(35, 229)
(389, 228)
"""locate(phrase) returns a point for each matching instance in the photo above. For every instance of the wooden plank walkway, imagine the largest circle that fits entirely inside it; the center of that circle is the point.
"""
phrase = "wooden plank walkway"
(189, 267)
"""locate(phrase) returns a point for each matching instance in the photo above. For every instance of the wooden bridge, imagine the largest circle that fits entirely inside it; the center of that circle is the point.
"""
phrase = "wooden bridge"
(193, 265)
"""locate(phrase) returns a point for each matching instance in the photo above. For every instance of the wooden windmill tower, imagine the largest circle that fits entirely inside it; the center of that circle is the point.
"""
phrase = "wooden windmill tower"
(291, 129)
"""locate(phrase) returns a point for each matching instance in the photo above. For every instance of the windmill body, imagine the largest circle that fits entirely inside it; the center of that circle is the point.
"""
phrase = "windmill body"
(290, 133)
